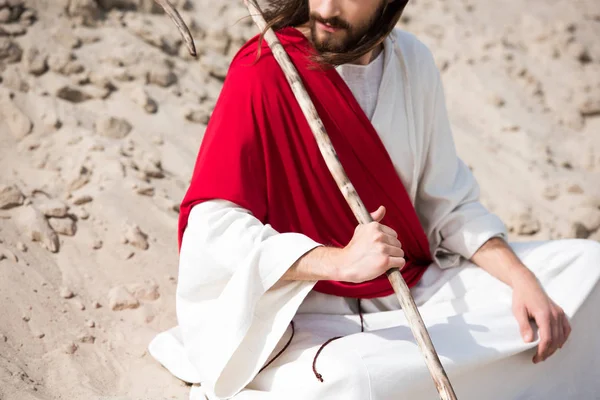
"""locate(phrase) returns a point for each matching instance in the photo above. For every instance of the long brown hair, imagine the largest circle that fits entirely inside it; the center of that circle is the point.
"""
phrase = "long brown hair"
(291, 13)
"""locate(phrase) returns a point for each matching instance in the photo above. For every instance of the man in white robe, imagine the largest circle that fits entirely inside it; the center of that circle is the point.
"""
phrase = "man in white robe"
(241, 282)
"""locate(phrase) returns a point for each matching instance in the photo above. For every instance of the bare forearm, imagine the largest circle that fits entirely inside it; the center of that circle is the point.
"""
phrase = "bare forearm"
(318, 264)
(499, 260)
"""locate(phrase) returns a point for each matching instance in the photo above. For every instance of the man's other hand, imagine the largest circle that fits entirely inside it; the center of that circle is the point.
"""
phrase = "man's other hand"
(530, 302)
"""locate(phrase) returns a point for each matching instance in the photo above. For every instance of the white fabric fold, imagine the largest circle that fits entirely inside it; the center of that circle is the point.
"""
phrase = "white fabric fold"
(229, 297)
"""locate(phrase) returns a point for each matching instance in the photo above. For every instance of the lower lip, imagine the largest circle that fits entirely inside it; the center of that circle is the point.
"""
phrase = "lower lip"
(327, 28)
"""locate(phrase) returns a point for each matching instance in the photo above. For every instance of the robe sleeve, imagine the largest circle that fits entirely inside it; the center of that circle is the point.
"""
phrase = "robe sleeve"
(455, 221)
(232, 307)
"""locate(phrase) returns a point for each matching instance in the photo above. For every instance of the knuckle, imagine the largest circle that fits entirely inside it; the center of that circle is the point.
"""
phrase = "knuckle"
(545, 314)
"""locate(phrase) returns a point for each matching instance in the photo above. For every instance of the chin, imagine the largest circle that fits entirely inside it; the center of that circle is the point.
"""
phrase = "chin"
(331, 41)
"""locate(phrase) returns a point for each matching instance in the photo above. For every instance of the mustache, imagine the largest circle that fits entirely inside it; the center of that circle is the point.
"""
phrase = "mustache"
(334, 22)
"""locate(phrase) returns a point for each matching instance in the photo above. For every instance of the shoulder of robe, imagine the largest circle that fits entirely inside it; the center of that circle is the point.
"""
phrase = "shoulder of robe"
(418, 58)
(262, 72)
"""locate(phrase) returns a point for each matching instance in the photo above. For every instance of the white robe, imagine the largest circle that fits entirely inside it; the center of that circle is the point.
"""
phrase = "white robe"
(234, 313)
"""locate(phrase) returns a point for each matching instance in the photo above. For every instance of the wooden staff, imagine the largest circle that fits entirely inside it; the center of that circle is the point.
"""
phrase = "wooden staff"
(363, 216)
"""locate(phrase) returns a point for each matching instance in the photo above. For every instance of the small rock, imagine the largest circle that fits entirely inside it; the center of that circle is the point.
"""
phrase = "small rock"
(8, 254)
(72, 94)
(215, 64)
(148, 164)
(18, 122)
(64, 62)
(80, 305)
(86, 338)
(3, 338)
(157, 140)
(147, 291)
(10, 51)
(38, 228)
(66, 293)
(90, 323)
(26, 318)
(145, 190)
(579, 231)
(143, 99)
(97, 244)
(28, 17)
(86, 10)
(97, 305)
(197, 115)
(166, 204)
(528, 225)
(217, 39)
(53, 208)
(161, 75)
(590, 107)
(148, 318)
(523, 222)
(50, 119)
(575, 189)
(83, 199)
(15, 79)
(10, 196)
(112, 127)
(39, 335)
(21, 247)
(134, 236)
(120, 299)
(70, 348)
(36, 62)
(63, 226)
(81, 213)
(145, 29)
(4, 15)
(80, 178)
(497, 101)
(551, 192)
(587, 219)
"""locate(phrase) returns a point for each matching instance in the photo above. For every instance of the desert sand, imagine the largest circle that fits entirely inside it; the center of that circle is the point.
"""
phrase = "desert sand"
(102, 112)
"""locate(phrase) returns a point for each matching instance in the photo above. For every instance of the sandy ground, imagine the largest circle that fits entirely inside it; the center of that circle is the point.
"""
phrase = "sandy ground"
(101, 116)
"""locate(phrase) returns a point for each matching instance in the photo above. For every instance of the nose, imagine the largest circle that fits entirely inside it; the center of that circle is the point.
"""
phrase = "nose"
(328, 9)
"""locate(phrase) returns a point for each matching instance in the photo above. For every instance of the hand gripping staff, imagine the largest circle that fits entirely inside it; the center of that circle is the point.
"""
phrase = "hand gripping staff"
(411, 312)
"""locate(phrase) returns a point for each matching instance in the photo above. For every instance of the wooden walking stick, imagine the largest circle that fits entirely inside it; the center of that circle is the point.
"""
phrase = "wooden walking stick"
(402, 291)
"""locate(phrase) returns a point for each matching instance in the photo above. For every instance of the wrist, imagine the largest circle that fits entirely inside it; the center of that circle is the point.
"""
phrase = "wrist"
(335, 262)
(519, 275)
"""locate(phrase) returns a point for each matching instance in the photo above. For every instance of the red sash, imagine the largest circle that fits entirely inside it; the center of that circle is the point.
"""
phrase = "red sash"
(259, 152)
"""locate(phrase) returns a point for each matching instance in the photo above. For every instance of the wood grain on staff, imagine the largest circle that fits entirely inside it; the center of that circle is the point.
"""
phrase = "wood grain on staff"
(402, 291)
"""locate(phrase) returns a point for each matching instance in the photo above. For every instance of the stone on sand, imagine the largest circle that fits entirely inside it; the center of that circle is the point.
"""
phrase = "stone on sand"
(113, 127)
(19, 124)
(10, 196)
(37, 228)
(120, 299)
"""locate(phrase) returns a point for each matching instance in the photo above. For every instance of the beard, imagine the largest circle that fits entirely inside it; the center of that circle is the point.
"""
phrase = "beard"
(346, 38)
